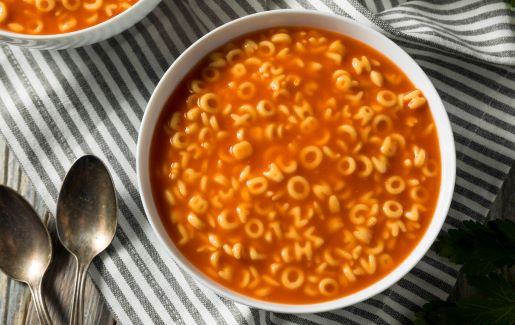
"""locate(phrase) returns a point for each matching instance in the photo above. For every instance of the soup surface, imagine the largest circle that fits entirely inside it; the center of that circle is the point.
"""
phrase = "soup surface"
(296, 165)
(43, 17)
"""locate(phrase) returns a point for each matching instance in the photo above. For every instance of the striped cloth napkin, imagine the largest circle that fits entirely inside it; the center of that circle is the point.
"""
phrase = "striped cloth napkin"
(57, 105)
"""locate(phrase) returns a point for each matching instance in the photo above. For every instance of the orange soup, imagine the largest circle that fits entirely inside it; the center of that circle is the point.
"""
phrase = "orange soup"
(44, 17)
(296, 165)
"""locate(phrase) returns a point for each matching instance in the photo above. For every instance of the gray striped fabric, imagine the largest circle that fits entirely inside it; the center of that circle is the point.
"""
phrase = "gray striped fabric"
(55, 106)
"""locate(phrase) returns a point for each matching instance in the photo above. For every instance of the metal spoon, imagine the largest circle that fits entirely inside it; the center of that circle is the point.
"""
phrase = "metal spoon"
(25, 246)
(86, 219)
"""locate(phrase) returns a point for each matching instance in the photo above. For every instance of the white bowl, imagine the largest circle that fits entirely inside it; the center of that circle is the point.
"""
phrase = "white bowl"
(82, 37)
(330, 22)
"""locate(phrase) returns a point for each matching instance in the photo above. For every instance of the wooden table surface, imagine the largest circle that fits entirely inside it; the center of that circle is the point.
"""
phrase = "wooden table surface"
(15, 302)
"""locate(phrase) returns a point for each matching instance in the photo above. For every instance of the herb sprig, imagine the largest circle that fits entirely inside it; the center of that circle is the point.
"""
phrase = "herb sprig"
(482, 250)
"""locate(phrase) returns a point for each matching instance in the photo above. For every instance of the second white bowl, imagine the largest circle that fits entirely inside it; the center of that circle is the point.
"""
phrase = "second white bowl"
(90, 35)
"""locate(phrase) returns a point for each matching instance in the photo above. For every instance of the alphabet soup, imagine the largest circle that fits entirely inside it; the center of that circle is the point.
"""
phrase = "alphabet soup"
(296, 165)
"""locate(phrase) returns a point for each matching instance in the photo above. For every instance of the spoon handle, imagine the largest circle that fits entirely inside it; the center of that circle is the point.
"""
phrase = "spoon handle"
(39, 304)
(78, 295)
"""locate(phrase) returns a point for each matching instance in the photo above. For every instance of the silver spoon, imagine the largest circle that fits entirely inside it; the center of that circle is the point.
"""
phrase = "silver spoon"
(86, 219)
(25, 246)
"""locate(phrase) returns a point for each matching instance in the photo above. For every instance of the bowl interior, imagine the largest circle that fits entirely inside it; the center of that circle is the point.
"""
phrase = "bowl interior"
(333, 23)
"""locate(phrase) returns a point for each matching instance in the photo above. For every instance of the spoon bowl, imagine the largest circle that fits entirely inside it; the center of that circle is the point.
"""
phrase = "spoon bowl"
(25, 246)
(86, 218)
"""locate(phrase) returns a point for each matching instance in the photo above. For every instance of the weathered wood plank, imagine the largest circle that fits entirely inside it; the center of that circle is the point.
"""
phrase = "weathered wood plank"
(15, 302)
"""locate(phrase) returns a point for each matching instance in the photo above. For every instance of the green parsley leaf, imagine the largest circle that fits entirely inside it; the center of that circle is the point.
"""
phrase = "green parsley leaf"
(480, 248)
(497, 308)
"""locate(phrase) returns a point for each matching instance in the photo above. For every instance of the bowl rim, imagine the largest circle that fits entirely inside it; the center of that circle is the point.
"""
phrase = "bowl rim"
(79, 32)
(447, 183)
